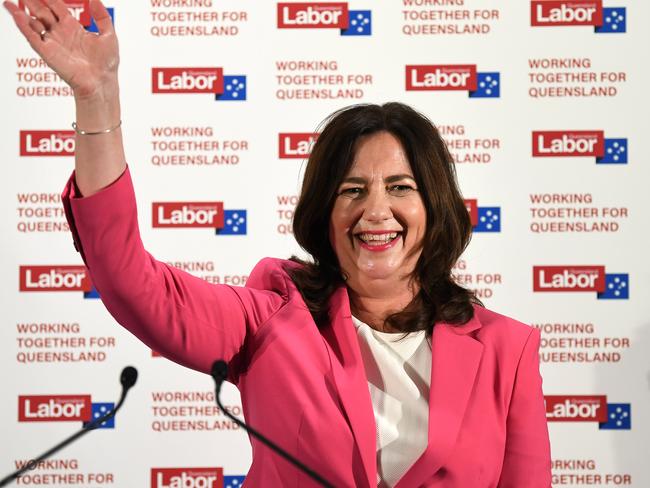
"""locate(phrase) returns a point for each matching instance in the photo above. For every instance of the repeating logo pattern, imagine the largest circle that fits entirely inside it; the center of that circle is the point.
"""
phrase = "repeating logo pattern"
(552, 13)
(580, 143)
(187, 477)
(62, 408)
(581, 278)
(324, 15)
(335, 19)
(212, 477)
(210, 80)
(199, 214)
(57, 278)
(453, 77)
(589, 408)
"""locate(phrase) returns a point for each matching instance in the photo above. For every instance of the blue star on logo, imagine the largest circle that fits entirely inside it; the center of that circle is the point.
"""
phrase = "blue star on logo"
(488, 85)
(234, 88)
(360, 23)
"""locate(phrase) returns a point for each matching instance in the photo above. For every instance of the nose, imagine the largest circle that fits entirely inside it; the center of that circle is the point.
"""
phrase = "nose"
(377, 206)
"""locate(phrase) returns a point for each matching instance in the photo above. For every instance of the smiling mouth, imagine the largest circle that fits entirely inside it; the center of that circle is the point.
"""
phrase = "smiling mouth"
(377, 239)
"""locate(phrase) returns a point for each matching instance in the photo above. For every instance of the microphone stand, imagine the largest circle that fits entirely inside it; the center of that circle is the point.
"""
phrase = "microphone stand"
(220, 372)
(127, 379)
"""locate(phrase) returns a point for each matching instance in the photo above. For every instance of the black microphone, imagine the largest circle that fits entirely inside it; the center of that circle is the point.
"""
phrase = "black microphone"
(219, 372)
(127, 379)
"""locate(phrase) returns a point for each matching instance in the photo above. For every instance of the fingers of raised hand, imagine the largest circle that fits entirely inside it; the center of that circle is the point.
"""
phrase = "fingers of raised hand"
(102, 17)
(30, 28)
(40, 11)
(38, 27)
(59, 8)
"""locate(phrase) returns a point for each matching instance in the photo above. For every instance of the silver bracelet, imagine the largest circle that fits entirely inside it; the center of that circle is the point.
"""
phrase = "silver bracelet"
(86, 133)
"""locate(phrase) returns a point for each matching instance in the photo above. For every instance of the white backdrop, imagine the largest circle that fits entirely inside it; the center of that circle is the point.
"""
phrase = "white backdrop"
(553, 100)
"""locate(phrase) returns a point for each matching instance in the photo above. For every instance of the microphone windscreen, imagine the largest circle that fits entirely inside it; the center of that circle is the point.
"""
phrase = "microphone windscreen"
(128, 377)
(219, 370)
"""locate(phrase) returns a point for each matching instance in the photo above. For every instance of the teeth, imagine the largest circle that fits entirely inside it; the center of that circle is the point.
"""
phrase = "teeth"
(378, 238)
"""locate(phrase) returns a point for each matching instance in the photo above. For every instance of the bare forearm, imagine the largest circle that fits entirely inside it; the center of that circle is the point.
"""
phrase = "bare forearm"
(88, 63)
(99, 159)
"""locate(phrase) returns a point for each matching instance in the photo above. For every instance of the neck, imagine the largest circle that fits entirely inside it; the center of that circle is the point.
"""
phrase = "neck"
(375, 305)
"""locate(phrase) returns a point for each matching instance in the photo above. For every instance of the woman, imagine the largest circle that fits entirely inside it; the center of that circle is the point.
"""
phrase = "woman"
(368, 363)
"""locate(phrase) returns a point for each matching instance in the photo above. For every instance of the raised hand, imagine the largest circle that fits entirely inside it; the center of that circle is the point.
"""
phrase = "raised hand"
(86, 61)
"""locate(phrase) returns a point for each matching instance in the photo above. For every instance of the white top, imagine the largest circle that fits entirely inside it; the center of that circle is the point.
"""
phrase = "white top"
(399, 376)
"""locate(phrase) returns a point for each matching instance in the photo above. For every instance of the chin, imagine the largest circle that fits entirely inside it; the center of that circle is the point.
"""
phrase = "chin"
(380, 270)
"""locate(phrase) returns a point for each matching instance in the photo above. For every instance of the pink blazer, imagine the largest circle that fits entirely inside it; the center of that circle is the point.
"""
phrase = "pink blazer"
(306, 387)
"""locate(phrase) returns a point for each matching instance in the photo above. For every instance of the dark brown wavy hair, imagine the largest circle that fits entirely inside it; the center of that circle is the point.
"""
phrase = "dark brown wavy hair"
(448, 227)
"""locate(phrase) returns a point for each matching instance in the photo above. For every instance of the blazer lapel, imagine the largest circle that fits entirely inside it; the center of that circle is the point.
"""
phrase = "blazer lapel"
(350, 378)
(455, 358)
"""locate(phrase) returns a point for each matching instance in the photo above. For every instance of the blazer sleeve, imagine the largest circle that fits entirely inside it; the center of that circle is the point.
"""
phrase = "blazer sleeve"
(527, 461)
(180, 316)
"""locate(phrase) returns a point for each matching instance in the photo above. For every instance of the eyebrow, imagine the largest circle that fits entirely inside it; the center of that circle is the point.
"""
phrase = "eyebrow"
(389, 179)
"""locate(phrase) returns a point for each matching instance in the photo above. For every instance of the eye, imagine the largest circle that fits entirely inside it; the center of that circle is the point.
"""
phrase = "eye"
(352, 192)
(401, 189)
